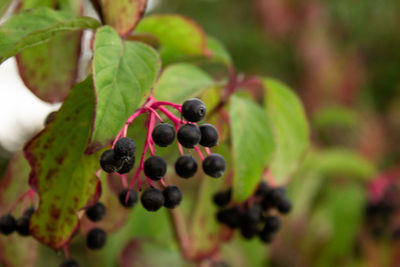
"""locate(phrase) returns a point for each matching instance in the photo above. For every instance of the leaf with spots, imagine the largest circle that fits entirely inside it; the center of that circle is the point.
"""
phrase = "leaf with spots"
(60, 172)
(179, 37)
(252, 145)
(12, 186)
(123, 73)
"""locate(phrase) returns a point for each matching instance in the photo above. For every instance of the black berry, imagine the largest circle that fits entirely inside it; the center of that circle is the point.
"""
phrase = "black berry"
(96, 212)
(189, 135)
(209, 135)
(230, 217)
(127, 166)
(262, 189)
(186, 166)
(109, 163)
(96, 238)
(69, 263)
(284, 206)
(125, 148)
(163, 134)
(266, 236)
(132, 198)
(252, 215)
(172, 196)
(193, 110)
(29, 211)
(272, 224)
(23, 226)
(222, 199)
(7, 224)
(273, 197)
(249, 230)
(155, 168)
(214, 165)
(152, 199)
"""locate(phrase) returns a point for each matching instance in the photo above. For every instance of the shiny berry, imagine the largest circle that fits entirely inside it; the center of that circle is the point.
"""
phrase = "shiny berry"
(96, 212)
(186, 166)
(132, 198)
(209, 135)
(125, 148)
(155, 168)
(127, 166)
(172, 196)
(109, 163)
(221, 199)
(193, 110)
(152, 199)
(163, 134)
(7, 224)
(96, 238)
(189, 135)
(214, 165)
(284, 206)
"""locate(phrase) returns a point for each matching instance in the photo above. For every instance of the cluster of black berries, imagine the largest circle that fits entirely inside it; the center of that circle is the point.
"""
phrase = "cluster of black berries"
(121, 159)
(8, 224)
(254, 218)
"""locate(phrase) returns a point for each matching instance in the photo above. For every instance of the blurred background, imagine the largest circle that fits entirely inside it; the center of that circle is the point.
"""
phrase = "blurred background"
(343, 59)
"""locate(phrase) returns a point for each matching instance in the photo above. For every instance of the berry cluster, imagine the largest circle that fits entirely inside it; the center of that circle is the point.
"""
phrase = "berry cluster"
(255, 217)
(121, 158)
(8, 224)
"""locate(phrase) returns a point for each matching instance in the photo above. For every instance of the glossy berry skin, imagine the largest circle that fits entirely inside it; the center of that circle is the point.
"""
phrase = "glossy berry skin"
(214, 165)
(193, 110)
(221, 199)
(127, 166)
(189, 135)
(125, 148)
(172, 196)
(186, 166)
(132, 198)
(152, 199)
(155, 168)
(209, 135)
(69, 263)
(109, 163)
(96, 238)
(96, 212)
(23, 226)
(163, 134)
(7, 224)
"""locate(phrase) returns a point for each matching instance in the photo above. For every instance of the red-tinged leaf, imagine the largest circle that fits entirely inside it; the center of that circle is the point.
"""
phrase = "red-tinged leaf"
(62, 175)
(123, 15)
(49, 70)
(180, 37)
(14, 250)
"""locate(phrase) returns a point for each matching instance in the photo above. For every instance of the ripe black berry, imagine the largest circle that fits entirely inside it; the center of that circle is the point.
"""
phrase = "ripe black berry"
(189, 135)
(172, 196)
(186, 166)
(222, 199)
(7, 224)
(132, 198)
(96, 238)
(273, 197)
(252, 215)
(193, 110)
(69, 263)
(214, 165)
(266, 236)
(272, 224)
(155, 168)
(249, 230)
(209, 135)
(125, 148)
(152, 199)
(127, 166)
(23, 226)
(163, 134)
(284, 206)
(96, 212)
(230, 217)
(262, 189)
(29, 212)
(109, 163)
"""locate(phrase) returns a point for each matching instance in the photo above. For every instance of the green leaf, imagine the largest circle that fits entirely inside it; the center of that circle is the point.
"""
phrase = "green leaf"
(50, 70)
(179, 37)
(218, 51)
(37, 26)
(252, 145)
(14, 250)
(334, 116)
(290, 127)
(122, 15)
(123, 73)
(181, 81)
(62, 175)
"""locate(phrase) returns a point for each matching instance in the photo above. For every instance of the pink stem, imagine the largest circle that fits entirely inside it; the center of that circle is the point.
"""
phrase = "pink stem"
(135, 115)
(166, 103)
(124, 180)
(149, 138)
(66, 251)
(199, 152)
(175, 120)
(207, 150)
(156, 114)
(180, 149)
(163, 183)
(22, 197)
